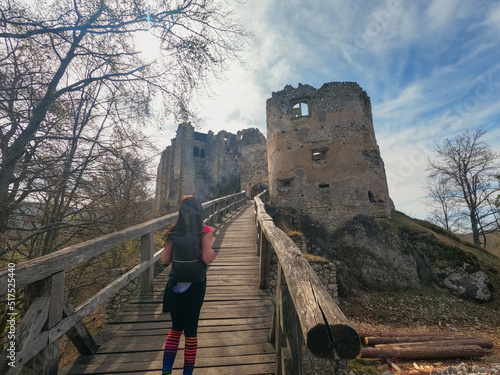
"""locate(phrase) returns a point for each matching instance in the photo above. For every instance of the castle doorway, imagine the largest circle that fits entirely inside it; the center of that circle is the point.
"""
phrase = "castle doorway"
(257, 189)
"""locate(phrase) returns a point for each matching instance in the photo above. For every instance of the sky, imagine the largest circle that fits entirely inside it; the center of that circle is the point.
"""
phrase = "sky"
(431, 69)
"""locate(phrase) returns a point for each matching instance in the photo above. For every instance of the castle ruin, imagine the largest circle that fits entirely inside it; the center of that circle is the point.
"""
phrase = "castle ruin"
(322, 162)
(210, 165)
(323, 157)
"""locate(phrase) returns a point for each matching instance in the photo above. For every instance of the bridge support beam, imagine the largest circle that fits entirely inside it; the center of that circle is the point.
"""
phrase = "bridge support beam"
(147, 252)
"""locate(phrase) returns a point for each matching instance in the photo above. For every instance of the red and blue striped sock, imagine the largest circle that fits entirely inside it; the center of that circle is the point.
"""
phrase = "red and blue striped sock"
(190, 348)
(170, 351)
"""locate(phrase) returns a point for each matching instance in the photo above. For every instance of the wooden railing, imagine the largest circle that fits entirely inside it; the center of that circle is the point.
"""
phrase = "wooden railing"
(305, 312)
(50, 315)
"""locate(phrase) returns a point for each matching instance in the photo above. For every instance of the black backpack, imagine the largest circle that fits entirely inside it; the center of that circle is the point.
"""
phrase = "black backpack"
(187, 265)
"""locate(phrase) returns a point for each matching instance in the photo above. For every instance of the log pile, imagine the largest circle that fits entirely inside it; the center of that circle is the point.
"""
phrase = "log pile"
(422, 346)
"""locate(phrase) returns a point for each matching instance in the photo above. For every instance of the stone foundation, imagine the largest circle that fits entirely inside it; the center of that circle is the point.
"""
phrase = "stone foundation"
(327, 273)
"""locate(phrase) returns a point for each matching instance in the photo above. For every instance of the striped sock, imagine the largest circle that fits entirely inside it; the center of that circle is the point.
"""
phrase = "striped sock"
(190, 348)
(170, 351)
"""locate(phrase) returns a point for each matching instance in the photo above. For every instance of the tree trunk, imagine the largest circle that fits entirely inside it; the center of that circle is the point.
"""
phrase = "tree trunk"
(425, 352)
(413, 338)
(364, 334)
(483, 343)
(475, 228)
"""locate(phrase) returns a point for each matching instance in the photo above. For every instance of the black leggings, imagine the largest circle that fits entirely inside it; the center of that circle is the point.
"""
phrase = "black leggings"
(186, 306)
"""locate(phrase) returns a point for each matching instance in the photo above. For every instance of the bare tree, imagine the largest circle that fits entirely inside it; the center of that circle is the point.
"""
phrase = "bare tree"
(470, 167)
(444, 204)
(51, 52)
(68, 172)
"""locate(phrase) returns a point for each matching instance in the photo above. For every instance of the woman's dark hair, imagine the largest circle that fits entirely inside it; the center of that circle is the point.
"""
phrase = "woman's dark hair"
(190, 216)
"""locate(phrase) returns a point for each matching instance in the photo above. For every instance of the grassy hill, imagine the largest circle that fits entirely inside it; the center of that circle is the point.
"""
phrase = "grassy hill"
(489, 258)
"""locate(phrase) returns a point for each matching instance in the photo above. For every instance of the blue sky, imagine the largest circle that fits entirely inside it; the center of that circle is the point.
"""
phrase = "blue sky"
(431, 69)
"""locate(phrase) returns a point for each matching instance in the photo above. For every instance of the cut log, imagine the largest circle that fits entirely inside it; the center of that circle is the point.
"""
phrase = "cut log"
(425, 352)
(482, 342)
(363, 334)
(413, 338)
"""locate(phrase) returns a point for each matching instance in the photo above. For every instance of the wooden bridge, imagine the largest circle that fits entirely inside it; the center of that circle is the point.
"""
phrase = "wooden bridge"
(239, 327)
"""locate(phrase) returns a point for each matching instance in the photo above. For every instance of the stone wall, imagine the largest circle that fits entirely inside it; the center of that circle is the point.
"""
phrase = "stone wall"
(326, 272)
(254, 175)
(127, 293)
(323, 157)
(209, 165)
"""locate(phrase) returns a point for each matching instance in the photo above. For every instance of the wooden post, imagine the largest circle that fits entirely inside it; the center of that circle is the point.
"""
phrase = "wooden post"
(292, 343)
(265, 262)
(210, 215)
(278, 326)
(147, 252)
(57, 301)
(258, 237)
(46, 361)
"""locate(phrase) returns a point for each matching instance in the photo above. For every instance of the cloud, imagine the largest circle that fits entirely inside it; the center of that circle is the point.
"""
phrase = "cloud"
(431, 69)
(493, 18)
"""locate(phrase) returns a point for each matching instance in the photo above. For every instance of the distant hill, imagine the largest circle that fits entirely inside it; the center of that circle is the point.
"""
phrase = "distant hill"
(492, 242)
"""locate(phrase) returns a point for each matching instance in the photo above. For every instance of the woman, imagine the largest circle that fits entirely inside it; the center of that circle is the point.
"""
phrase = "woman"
(184, 299)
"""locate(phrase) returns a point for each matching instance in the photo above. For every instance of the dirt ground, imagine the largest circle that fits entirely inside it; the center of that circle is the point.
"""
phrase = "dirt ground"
(423, 311)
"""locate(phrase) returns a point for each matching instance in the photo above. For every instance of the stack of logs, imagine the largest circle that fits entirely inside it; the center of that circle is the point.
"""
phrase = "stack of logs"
(435, 345)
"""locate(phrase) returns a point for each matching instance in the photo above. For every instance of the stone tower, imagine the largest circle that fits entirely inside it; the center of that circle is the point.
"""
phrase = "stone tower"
(323, 157)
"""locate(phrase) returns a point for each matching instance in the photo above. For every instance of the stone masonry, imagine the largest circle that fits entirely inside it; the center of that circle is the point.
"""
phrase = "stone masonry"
(209, 165)
(323, 157)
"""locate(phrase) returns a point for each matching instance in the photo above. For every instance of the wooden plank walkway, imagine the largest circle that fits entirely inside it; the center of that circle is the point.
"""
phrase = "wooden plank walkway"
(234, 323)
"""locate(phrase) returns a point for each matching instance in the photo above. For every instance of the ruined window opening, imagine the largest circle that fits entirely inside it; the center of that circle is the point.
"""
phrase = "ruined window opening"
(319, 154)
(300, 109)
(324, 186)
(202, 153)
(285, 182)
(371, 197)
(196, 151)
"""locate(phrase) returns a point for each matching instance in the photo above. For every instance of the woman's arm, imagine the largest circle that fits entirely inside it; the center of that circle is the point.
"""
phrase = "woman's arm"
(166, 255)
(207, 254)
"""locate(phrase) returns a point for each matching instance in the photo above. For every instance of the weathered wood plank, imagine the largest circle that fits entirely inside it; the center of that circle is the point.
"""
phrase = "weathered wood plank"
(147, 252)
(138, 344)
(30, 327)
(163, 331)
(203, 323)
(221, 314)
(80, 335)
(202, 361)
